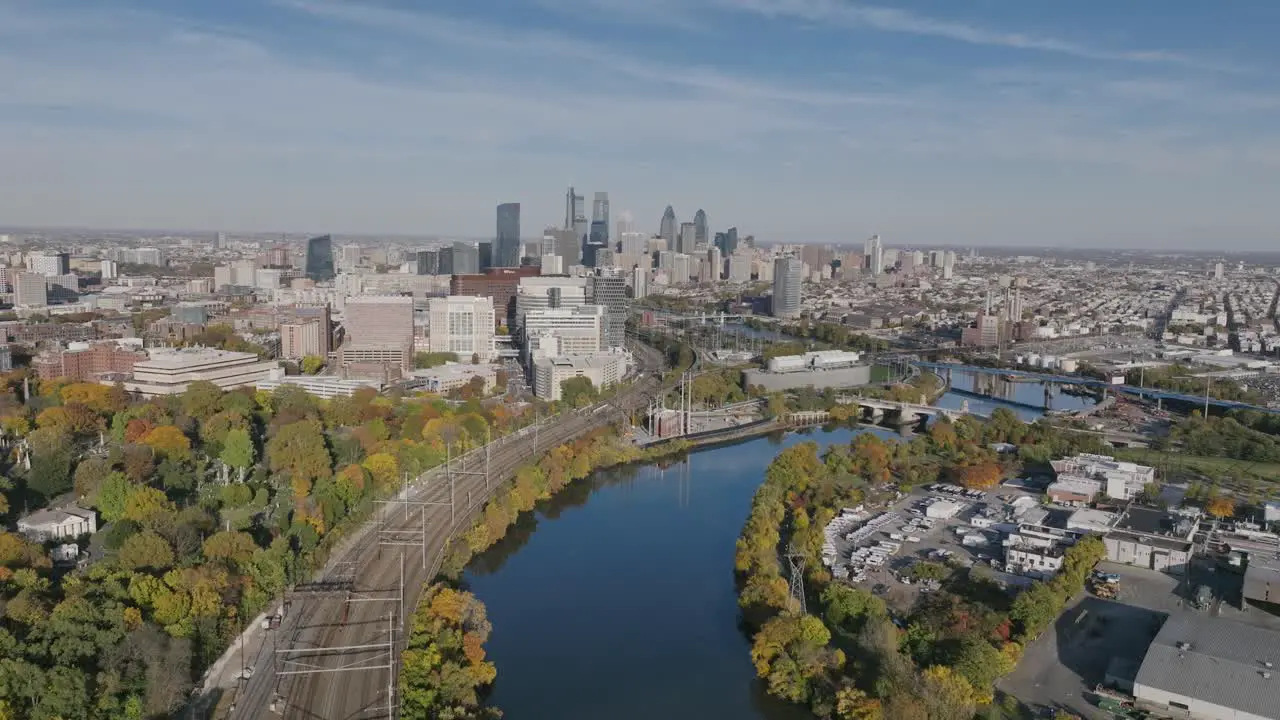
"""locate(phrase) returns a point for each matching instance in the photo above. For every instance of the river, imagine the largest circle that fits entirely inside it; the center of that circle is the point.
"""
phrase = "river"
(616, 598)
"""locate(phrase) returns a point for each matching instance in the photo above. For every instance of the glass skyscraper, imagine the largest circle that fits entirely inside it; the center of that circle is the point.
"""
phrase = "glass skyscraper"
(667, 230)
(319, 265)
(701, 233)
(506, 247)
(788, 274)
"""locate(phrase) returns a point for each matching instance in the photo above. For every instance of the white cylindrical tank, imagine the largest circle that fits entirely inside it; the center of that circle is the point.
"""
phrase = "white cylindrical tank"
(1049, 361)
(1069, 365)
(1033, 359)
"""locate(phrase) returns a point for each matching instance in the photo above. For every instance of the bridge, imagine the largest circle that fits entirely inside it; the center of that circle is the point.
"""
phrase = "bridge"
(876, 410)
(1159, 395)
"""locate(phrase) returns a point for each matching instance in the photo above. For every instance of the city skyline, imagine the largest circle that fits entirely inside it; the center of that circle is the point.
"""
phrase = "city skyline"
(993, 125)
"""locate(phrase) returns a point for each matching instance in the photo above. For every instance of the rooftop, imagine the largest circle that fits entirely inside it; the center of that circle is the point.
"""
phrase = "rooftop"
(174, 359)
(1150, 521)
(1155, 541)
(1217, 661)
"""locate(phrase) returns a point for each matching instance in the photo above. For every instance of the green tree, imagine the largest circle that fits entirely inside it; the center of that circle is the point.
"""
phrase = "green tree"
(299, 451)
(312, 364)
(112, 496)
(146, 550)
(201, 399)
(577, 392)
(238, 451)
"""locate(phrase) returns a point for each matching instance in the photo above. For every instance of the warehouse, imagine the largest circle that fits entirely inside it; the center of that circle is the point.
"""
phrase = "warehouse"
(1211, 669)
(1262, 579)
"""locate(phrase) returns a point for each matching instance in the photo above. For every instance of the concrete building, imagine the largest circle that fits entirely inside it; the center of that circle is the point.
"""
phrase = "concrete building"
(447, 378)
(1210, 668)
(1073, 490)
(639, 282)
(463, 326)
(1262, 579)
(170, 371)
(30, 289)
(379, 320)
(498, 283)
(818, 379)
(539, 293)
(986, 331)
(1120, 480)
(576, 330)
(322, 386)
(49, 264)
(301, 338)
(739, 268)
(65, 523)
(1164, 554)
(788, 274)
(603, 369)
(608, 289)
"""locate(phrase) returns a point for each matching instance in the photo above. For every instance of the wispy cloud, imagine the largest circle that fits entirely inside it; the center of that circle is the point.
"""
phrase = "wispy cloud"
(893, 20)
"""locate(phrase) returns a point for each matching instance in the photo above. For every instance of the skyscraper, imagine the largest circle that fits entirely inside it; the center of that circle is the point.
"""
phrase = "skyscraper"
(875, 255)
(572, 208)
(485, 251)
(428, 262)
(319, 265)
(598, 238)
(686, 242)
(667, 230)
(948, 264)
(600, 212)
(466, 258)
(788, 273)
(506, 247)
(701, 233)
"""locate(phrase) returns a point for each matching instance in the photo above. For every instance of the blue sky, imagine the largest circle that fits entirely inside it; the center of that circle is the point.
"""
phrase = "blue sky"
(1083, 123)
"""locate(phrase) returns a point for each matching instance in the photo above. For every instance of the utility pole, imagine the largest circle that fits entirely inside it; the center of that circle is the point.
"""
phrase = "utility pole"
(795, 563)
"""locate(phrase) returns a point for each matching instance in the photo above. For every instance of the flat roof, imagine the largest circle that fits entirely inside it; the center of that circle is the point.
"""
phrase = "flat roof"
(1214, 660)
(1262, 578)
(1151, 521)
(176, 359)
(1164, 543)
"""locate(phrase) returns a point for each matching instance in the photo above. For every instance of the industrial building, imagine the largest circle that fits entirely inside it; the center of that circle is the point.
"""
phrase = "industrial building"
(823, 369)
(322, 386)
(447, 378)
(1262, 579)
(1120, 480)
(1073, 490)
(1210, 668)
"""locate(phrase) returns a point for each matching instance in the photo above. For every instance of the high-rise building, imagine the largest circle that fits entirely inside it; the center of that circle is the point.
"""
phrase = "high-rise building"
(379, 320)
(506, 247)
(600, 213)
(485, 250)
(466, 258)
(875, 255)
(219, 241)
(349, 256)
(609, 289)
(948, 264)
(788, 274)
(497, 283)
(428, 262)
(639, 282)
(1217, 271)
(701, 233)
(739, 268)
(572, 208)
(534, 293)
(110, 271)
(300, 338)
(463, 326)
(598, 240)
(578, 329)
(714, 266)
(50, 264)
(29, 289)
(632, 243)
(319, 264)
(668, 228)
(687, 240)
(564, 245)
(551, 265)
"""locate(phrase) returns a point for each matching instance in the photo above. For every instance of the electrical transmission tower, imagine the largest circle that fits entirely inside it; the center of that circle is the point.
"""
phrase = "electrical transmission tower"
(795, 563)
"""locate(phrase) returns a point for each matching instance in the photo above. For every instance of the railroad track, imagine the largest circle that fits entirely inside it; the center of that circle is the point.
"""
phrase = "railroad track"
(328, 621)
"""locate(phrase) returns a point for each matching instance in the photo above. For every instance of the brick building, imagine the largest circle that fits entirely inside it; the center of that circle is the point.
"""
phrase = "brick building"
(497, 283)
(82, 361)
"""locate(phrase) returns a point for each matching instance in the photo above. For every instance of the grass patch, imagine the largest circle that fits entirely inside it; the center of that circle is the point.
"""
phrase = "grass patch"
(1213, 467)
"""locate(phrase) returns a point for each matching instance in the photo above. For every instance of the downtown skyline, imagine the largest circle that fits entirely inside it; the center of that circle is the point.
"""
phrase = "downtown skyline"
(802, 120)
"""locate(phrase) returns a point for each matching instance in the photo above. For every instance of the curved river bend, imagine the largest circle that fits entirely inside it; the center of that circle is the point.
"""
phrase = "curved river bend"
(616, 598)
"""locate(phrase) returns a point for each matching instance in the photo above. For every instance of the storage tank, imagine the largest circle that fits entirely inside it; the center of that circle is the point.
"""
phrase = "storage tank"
(1033, 359)
(1069, 366)
(1049, 361)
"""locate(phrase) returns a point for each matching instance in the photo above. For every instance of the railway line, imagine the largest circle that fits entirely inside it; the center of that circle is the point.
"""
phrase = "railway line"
(356, 604)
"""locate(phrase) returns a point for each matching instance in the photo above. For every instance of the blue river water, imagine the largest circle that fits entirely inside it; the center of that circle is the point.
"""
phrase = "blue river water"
(616, 598)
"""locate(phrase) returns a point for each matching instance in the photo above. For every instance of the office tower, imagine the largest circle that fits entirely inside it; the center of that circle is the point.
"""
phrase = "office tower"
(219, 241)
(29, 289)
(466, 258)
(572, 208)
(551, 264)
(948, 264)
(701, 233)
(875, 255)
(686, 241)
(62, 288)
(564, 245)
(668, 228)
(788, 274)
(600, 212)
(50, 264)
(609, 290)
(319, 263)
(463, 326)
(244, 273)
(605, 258)
(908, 263)
(598, 240)
(555, 332)
(506, 247)
(110, 271)
(428, 262)
(444, 261)
(485, 250)
(715, 264)
(535, 293)
(681, 269)
(625, 224)
(1217, 271)
(632, 243)
(379, 319)
(739, 268)
(300, 338)
(639, 282)
(349, 257)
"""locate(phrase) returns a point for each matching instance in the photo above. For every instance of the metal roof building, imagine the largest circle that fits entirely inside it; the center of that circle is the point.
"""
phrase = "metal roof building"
(1211, 668)
(1262, 579)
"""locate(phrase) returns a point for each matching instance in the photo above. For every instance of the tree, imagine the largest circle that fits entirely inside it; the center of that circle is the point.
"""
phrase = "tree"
(298, 450)
(232, 547)
(577, 392)
(89, 476)
(854, 704)
(145, 550)
(849, 608)
(312, 364)
(238, 451)
(1221, 506)
(169, 442)
(946, 694)
(982, 476)
(143, 504)
(201, 399)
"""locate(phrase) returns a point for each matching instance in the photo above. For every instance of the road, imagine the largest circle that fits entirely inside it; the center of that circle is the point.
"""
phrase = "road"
(327, 620)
